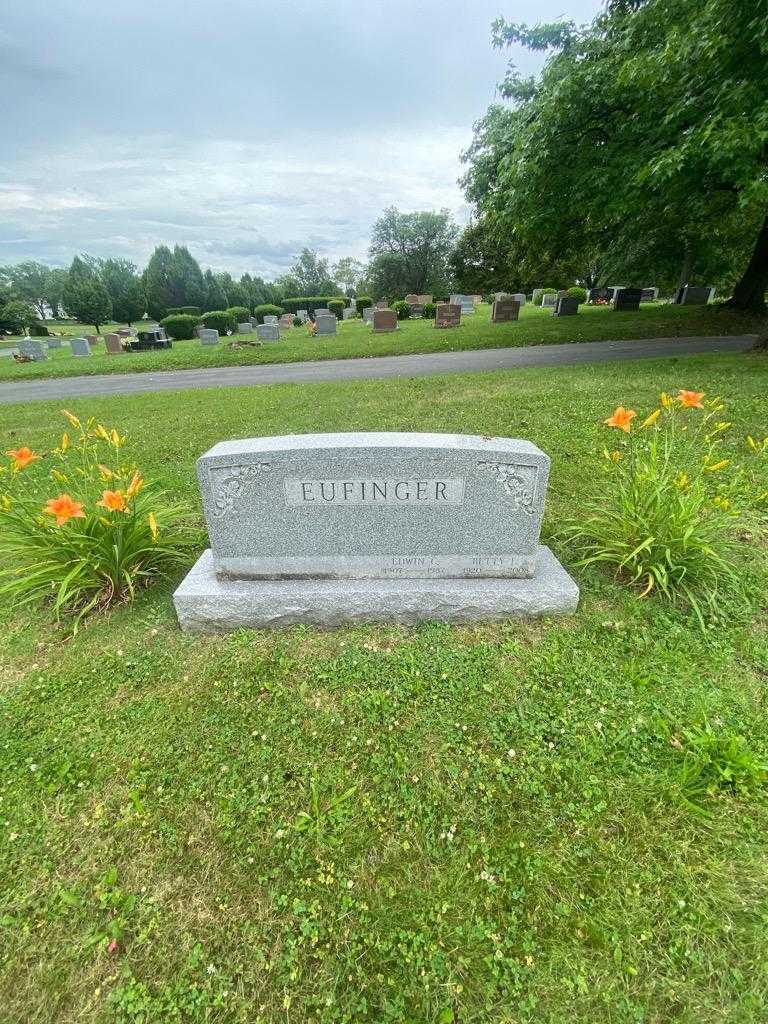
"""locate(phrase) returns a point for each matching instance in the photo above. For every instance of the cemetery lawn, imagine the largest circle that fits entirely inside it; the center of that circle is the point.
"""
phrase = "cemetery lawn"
(474, 825)
(355, 339)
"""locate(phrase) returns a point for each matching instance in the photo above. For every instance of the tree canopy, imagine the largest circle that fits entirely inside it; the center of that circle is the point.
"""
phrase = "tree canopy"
(410, 252)
(641, 148)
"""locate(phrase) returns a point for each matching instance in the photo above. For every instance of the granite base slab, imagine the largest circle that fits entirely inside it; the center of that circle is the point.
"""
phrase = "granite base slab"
(206, 604)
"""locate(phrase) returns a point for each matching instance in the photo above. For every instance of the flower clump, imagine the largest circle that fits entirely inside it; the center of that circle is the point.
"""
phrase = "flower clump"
(80, 524)
(676, 484)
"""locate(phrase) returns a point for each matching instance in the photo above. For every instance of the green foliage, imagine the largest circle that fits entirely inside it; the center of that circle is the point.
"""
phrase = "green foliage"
(402, 309)
(348, 273)
(180, 326)
(16, 316)
(665, 520)
(687, 191)
(37, 330)
(309, 275)
(31, 282)
(103, 533)
(173, 279)
(716, 763)
(85, 296)
(129, 303)
(239, 314)
(363, 302)
(188, 310)
(430, 311)
(337, 306)
(297, 321)
(310, 303)
(215, 296)
(409, 252)
(267, 309)
(578, 293)
(218, 320)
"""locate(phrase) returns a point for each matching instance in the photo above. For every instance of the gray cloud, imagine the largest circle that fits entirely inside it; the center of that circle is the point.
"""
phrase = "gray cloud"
(243, 129)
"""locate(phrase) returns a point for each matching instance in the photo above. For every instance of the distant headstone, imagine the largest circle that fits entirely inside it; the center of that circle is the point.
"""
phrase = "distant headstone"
(303, 315)
(424, 299)
(348, 313)
(694, 296)
(417, 309)
(505, 310)
(268, 332)
(328, 528)
(79, 346)
(613, 289)
(114, 344)
(536, 296)
(447, 314)
(324, 312)
(649, 294)
(549, 300)
(411, 299)
(253, 322)
(92, 339)
(270, 318)
(626, 300)
(325, 325)
(562, 293)
(502, 295)
(520, 296)
(286, 321)
(381, 304)
(466, 302)
(368, 314)
(53, 342)
(35, 350)
(244, 328)
(208, 336)
(125, 332)
(598, 295)
(384, 321)
(567, 305)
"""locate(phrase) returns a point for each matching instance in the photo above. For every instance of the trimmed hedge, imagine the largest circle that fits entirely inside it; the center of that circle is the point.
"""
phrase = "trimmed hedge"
(38, 331)
(268, 309)
(311, 302)
(337, 306)
(239, 314)
(188, 310)
(180, 326)
(219, 320)
(403, 309)
(430, 311)
(363, 302)
(578, 293)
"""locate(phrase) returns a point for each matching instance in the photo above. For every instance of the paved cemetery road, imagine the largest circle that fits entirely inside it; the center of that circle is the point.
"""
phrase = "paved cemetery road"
(428, 364)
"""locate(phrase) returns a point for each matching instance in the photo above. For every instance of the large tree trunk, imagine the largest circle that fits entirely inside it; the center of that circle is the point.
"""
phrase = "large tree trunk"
(685, 269)
(749, 293)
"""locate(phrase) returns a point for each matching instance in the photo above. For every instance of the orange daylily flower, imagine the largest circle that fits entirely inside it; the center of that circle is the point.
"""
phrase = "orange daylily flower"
(690, 399)
(621, 419)
(22, 457)
(114, 501)
(64, 508)
(135, 485)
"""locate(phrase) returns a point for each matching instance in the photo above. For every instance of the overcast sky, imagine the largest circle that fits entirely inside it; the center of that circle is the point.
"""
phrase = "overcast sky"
(240, 128)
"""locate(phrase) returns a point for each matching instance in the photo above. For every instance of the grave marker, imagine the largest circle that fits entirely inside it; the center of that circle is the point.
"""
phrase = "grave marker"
(505, 310)
(447, 314)
(79, 347)
(330, 528)
(384, 321)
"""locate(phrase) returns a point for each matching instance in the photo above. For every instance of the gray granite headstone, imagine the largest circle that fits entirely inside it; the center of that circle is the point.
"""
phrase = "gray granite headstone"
(53, 342)
(79, 346)
(208, 336)
(35, 350)
(270, 318)
(649, 294)
(302, 314)
(368, 314)
(567, 305)
(244, 328)
(268, 332)
(323, 312)
(520, 297)
(466, 302)
(696, 296)
(326, 324)
(327, 528)
(549, 300)
(348, 313)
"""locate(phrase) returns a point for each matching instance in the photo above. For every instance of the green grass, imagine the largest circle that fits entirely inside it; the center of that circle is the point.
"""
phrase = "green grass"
(500, 823)
(355, 339)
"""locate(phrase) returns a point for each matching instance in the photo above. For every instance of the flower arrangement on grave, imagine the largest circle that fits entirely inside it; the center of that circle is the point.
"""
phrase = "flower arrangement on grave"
(676, 487)
(81, 528)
